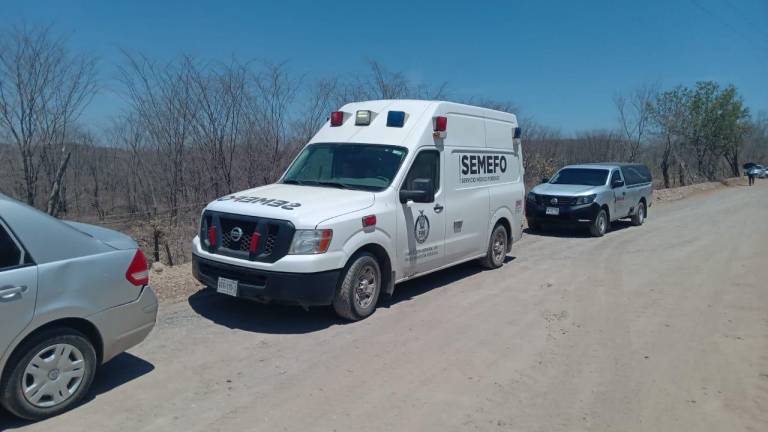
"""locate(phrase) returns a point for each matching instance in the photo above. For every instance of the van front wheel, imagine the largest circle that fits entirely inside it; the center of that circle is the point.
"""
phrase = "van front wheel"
(497, 248)
(359, 290)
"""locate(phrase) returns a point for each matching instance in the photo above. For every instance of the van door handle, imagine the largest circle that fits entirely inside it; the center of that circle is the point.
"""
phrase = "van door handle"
(438, 208)
(7, 292)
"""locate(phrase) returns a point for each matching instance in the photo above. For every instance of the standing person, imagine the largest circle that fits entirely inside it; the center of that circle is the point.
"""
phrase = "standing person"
(751, 174)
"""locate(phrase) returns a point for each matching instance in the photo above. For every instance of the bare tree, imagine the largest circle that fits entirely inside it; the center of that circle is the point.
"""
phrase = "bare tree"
(162, 99)
(635, 115)
(276, 91)
(222, 100)
(43, 90)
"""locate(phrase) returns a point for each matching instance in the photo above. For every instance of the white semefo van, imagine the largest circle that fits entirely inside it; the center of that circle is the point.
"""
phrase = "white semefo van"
(386, 191)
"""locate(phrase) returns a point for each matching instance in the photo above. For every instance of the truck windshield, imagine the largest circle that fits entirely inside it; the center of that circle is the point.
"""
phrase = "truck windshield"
(581, 176)
(347, 166)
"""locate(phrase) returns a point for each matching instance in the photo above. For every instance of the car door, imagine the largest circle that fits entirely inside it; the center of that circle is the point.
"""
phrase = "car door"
(421, 225)
(620, 202)
(18, 288)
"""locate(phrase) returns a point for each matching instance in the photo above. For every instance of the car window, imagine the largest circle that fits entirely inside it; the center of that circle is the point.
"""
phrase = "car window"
(580, 176)
(616, 176)
(426, 165)
(10, 254)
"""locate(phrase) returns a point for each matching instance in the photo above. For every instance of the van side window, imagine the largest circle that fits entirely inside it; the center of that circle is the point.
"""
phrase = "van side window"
(426, 165)
(10, 254)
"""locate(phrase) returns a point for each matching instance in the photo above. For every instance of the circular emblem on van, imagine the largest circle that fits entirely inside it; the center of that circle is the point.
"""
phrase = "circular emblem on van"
(421, 228)
(553, 201)
(236, 234)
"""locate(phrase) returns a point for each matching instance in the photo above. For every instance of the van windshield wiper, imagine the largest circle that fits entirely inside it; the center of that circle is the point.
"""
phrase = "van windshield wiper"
(331, 184)
(292, 181)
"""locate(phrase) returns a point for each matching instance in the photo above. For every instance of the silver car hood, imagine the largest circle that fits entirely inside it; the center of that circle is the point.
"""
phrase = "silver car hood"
(565, 190)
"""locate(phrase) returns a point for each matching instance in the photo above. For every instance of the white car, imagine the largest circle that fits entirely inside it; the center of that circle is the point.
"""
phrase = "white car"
(386, 191)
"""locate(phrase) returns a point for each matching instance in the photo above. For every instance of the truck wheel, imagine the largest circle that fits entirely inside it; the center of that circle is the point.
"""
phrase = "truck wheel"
(359, 289)
(639, 217)
(599, 226)
(497, 248)
(49, 374)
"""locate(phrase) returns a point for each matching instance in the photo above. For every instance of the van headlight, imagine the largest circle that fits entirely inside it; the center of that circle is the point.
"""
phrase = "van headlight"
(310, 242)
(588, 199)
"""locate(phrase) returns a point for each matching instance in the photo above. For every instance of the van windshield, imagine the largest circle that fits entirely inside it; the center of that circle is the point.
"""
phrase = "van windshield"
(346, 166)
(581, 176)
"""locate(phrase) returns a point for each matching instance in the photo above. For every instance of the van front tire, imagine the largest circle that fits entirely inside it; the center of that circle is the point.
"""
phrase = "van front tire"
(60, 362)
(359, 289)
(497, 248)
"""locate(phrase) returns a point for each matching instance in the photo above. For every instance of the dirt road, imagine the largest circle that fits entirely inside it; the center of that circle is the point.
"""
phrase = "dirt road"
(657, 328)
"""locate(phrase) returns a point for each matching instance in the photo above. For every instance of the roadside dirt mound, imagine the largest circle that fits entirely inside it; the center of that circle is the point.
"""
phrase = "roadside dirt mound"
(674, 194)
(173, 284)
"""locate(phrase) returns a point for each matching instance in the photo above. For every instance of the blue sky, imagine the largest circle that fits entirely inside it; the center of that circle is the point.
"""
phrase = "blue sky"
(559, 61)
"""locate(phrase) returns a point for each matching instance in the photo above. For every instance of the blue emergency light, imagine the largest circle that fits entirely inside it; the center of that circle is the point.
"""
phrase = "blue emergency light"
(395, 118)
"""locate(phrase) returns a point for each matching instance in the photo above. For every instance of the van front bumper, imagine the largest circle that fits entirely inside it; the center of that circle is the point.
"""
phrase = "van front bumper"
(568, 214)
(306, 289)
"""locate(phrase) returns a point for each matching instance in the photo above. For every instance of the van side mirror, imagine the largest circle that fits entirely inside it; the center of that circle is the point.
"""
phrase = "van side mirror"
(422, 191)
(617, 184)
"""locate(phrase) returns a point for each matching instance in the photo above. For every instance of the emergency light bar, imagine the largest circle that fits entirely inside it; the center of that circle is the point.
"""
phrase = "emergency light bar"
(363, 118)
(395, 118)
(337, 118)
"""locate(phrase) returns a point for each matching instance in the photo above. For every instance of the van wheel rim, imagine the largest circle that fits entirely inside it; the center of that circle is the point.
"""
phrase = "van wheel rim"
(365, 287)
(499, 247)
(53, 375)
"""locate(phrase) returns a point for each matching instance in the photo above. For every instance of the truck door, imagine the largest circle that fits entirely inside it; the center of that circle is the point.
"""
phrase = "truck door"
(621, 203)
(18, 289)
(421, 225)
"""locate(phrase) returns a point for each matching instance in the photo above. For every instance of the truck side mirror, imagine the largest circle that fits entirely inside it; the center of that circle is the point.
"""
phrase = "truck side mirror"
(422, 191)
(617, 184)
(545, 179)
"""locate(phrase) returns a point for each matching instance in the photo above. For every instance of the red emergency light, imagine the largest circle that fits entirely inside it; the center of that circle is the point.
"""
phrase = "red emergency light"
(337, 118)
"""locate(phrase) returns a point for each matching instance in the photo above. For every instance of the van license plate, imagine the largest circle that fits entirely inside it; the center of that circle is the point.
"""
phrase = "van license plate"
(227, 286)
(554, 211)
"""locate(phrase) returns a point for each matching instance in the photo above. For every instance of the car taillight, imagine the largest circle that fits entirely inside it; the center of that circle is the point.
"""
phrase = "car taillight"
(138, 272)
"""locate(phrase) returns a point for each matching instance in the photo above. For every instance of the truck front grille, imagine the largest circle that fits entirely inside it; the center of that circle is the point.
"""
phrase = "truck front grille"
(234, 234)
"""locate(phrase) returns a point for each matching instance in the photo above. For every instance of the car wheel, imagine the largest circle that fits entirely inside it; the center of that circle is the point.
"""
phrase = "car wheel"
(49, 374)
(599, 226)
(639, 217)
(359, 290)
(497, 248)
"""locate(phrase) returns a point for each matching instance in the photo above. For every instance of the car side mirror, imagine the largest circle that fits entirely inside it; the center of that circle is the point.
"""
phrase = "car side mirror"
(617, 184)
(422, 191)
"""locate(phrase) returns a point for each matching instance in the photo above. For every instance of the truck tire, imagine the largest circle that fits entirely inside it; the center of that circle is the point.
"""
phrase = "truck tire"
(497, 248)
(639, 217)
(359, 289)
(600, 225)
(49, 374)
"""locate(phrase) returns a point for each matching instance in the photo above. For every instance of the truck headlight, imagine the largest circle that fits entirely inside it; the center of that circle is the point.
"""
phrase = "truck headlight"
(588, 199)
(531, 196)
(310, 242)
